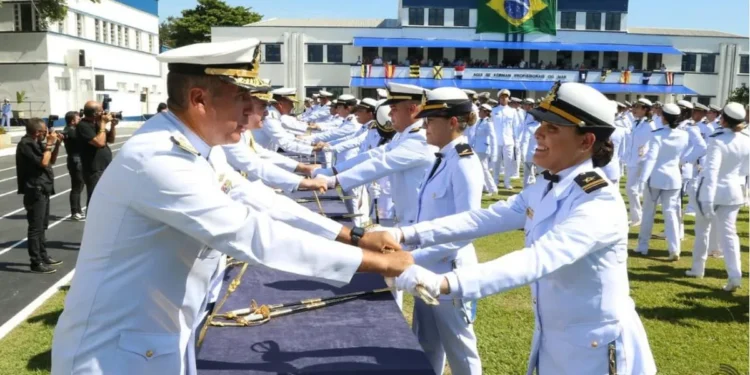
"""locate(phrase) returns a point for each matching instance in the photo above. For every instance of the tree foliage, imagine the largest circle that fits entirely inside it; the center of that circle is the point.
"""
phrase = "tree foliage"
(740, 95)
(194, 26)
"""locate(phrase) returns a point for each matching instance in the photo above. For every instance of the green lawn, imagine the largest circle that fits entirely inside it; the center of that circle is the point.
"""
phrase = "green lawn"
(692, 325)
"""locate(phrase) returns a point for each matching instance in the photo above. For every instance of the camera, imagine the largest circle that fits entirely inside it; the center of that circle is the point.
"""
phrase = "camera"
(51, 120)
(116, 115)
(105, 102)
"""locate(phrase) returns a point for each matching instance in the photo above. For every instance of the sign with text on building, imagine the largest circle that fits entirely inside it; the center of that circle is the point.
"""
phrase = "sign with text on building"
(526, 75)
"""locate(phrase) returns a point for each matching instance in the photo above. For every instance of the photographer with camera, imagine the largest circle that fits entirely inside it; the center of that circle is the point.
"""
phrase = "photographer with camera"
(74, 164)
(35, 154)
(93, 143)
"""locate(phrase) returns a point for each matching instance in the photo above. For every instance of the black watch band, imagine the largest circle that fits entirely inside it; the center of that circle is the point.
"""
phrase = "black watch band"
(356, 234)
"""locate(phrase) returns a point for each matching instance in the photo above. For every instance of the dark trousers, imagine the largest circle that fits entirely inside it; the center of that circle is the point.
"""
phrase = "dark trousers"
(91, 179)
(36, 203)
(76, 181)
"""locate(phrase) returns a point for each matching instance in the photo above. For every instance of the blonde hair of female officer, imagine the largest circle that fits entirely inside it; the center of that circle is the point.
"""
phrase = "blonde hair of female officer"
(661, 181)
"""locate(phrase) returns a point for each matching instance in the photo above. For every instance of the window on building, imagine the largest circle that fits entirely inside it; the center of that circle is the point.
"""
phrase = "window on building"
(16, 17)
(744, 64)
(122, 86)
(460, 17)
(610, 60)
(335, 53)
(436, 17)
(41, 25)
(61, 27)
(315, 53)
(705, 100)
(369, 54)
(463, 54)
(416, 16)
(112, 33)
(273, 53)
(688, 62)
(62, 83)
(493, 57)
(612, 22)
(126, 31)
(415, 54)
(85, 85)
(97, 30)
(653, 61)
(119, 35)
(511, 57)
(591, 59)
(138, 40)
(635, 60)
(105, 32)
(534, 57)
(593, 21)
(708, 63)
(568, 20)
(23, 18)
(564, 59)
(79, 24)
(390, 55)
(150, 43)
(435, 54)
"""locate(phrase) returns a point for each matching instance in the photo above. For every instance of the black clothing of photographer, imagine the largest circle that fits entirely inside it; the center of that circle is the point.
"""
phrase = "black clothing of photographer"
(93, 144)
(36, 152)
(74, 163)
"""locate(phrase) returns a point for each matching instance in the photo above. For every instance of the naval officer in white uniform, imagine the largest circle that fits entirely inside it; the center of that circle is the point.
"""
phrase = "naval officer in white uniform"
(483, 144)
(660, 180)
(575, 259)
(719, 195)
(640, 135)
(163, 217)
(272, 135)
(453, 185)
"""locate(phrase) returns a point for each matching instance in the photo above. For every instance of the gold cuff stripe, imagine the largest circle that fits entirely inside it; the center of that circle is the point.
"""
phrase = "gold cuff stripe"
(231, 72)
(548, 106)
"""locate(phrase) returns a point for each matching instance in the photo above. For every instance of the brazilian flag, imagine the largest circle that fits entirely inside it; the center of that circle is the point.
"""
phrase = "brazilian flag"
(517, 16)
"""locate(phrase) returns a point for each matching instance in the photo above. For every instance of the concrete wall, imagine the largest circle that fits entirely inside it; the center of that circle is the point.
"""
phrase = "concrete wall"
(30, 78)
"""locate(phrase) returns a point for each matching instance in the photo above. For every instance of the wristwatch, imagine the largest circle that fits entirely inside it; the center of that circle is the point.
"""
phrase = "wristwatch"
(357, 233)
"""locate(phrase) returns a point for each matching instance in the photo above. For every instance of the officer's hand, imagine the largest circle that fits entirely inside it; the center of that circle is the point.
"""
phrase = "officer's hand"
(379, 241)
(307, 169)
(51, 138)
(708, 209)
(320, 146)
(114, 122)
(320, 184)
(395, 263)
(417, 275)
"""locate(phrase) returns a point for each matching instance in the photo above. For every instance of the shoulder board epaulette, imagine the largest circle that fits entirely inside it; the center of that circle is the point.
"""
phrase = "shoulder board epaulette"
(718, 133)
(463, 150)
(656, 130)
(415, 130)
(273, 114)
(590, 181)
(183, 143)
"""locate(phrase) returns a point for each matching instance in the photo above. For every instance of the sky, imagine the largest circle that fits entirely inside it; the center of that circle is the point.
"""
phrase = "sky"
(722, 15)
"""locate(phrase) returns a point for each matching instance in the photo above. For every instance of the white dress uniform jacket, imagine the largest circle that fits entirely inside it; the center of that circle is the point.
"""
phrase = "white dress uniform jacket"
(484, 138)
(613, 170)
(271, 168)
(351, 145)
(273, 135)
(346, 130)
(504, 119)
(405, 159)
(147, 256)
(575, 261)
(292, 125)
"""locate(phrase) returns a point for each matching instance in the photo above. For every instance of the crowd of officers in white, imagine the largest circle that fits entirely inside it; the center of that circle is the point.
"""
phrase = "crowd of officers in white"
(416, 161)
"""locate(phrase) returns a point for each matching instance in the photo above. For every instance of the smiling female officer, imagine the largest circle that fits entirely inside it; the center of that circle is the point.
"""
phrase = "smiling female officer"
(453, 185)
(575, 259)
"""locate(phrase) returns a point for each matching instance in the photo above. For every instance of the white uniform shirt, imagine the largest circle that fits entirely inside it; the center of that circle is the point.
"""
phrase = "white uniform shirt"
(292, 125)
(260, 164)
(613, 170)
(640, 135)
(661, 166)
(727, 163)
(504, 118)
(147, 255)
(484, 138)
(346, 130)
(526, 137)
(272, 136)
(575, 261)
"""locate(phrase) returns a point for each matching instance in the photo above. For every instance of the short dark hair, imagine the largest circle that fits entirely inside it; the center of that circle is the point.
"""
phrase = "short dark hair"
(179, 84)
(34, 125)
(730, 121)
(161, 107)
(70, 116)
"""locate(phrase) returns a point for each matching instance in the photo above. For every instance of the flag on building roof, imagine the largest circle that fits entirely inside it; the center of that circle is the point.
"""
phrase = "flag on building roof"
(517, 16)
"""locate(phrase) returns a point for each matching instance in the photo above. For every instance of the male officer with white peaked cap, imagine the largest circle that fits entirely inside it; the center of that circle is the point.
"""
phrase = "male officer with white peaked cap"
(505, 119)
(453, 185)
(640, 135)
(483, 145)
(288, 95)
(147, 254)
(719, 194)
(575, 259)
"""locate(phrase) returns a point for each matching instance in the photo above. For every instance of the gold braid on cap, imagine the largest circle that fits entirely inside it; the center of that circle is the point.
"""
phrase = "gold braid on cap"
(547, 104)
(250, 71)
(434, 106)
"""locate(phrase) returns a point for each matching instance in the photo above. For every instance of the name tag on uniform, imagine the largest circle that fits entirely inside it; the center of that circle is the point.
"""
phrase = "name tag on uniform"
(641, 150)
(529, 213)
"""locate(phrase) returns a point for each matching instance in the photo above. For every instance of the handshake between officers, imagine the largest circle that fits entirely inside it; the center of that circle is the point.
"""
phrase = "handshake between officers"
(168, 208)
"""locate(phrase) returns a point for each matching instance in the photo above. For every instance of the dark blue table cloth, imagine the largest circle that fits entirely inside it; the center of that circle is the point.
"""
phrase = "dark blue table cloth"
(367, 335)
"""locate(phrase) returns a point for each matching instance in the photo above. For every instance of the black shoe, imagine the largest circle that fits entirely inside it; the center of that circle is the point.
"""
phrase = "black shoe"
(51, 262)
(42, 268)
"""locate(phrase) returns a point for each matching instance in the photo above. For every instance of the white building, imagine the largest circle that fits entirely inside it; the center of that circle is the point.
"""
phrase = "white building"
(106, 48)
(311, 54)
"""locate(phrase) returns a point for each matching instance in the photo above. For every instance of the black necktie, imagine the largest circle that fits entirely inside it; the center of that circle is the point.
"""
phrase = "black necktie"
(552, 178)
(439, 158)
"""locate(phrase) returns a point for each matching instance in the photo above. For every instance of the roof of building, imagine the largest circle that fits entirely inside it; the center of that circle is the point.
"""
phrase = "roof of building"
(681, 32)
(322, 22)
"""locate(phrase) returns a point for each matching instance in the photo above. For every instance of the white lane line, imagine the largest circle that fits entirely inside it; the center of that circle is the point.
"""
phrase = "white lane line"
(59, 156)
(11, 247)
(21, 316)
(52, 197)
(15, 191)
